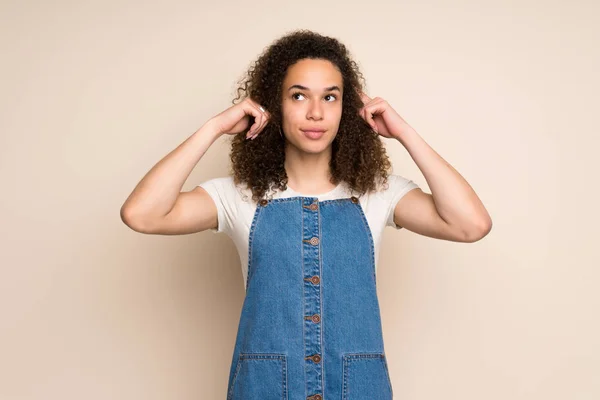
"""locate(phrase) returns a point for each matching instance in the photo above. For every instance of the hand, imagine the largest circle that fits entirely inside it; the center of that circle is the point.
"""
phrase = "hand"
(382, 117)
(236, 119)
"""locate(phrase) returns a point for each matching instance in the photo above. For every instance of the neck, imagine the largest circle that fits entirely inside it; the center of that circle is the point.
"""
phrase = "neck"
(308, 172)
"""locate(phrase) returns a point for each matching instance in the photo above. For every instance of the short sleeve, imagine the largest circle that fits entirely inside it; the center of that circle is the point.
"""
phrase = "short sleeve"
(398, 187)
(223, 193)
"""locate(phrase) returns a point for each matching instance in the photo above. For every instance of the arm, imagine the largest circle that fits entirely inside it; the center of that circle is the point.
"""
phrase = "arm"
(453, 211)
(157, 205)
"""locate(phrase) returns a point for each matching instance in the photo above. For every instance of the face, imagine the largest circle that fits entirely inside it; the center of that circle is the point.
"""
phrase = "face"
(312, 104)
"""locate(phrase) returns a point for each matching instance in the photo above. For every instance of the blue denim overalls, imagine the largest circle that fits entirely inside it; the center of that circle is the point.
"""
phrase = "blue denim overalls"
(310, 326)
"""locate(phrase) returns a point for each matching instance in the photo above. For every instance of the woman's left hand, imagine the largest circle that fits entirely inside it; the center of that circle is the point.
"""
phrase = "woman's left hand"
(382, 117)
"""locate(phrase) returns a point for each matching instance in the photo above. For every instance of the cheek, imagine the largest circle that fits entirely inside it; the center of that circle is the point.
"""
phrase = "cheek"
(338, 115)
(293, 116)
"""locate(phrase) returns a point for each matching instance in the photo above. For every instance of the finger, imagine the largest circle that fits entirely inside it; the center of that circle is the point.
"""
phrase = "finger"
(257, 131)
(251, 109)
(366, 102)
(368, 111)
(258, 116)
(363, 96)
(264, 121)
(364, 112)
(366, 99)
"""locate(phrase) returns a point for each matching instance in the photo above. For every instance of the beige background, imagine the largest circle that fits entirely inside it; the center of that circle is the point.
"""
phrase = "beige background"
(94, 93)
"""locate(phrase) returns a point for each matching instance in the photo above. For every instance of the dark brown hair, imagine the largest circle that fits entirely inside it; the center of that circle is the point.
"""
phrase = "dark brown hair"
(358, 155)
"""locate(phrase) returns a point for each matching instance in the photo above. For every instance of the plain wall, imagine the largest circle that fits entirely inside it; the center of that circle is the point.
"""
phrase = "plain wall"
(95, 93)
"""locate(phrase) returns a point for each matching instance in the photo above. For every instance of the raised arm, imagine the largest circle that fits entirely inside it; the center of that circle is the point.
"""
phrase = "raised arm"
(157, 205)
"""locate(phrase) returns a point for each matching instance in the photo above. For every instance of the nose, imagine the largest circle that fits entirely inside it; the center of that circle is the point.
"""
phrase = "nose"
(315, 110)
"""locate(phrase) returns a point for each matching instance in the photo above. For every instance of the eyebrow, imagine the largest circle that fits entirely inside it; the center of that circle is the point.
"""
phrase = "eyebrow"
(327, 89)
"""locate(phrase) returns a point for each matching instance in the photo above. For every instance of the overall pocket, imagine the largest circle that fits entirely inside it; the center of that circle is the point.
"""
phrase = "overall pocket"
(259, 376)
(366, 376)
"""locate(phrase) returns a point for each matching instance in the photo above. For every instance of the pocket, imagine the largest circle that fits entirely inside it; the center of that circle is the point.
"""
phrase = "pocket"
(259, 376)
(366, 376)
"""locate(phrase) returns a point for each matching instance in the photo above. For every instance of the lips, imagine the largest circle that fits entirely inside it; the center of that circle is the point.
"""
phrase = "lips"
(314, 133)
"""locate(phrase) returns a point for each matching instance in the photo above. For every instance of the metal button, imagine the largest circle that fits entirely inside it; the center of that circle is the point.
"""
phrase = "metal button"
(314, 207)
(314, 279)
(264, 202)
(315, 397)
(315, 358)
(314, 318)
(314, 241)
(354, 199)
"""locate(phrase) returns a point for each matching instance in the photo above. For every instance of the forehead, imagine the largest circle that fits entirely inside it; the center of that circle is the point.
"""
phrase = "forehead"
(314, 74)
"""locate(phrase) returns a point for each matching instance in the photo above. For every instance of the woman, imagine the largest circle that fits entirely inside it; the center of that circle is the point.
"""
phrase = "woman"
(306, 203)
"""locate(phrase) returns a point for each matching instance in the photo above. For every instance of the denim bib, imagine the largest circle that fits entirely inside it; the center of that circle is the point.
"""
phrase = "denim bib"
(310, 325)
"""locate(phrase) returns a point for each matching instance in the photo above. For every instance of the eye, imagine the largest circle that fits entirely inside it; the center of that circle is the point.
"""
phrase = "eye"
(297, 93)
(328, 95)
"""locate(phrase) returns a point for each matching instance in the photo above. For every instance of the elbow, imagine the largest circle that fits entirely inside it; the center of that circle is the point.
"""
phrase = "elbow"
(126, 216)
(134, 221)
(480, 231)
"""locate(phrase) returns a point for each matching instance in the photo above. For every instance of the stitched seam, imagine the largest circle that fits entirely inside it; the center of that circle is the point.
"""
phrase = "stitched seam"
(295, 198)
(321, 325)
(257, 212)
(358, 357)
(303, 294)
(284, 377)
(367, 230)
(261, 356)
(235, 375)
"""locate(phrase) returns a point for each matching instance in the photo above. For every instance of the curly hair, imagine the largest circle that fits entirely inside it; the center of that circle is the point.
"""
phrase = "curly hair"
(358, 156)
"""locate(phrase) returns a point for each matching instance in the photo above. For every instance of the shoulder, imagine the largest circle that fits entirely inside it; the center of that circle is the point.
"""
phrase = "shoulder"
(225, 189)
(384, 199)
(394, 182)
(395, 187)
(229, 200)
(223, 182)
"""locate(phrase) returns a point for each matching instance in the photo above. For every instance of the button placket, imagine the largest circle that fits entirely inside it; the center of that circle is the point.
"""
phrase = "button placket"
(312, 328)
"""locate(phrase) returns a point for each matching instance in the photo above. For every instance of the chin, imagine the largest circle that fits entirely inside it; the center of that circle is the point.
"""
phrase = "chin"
(314, 147)
(315, 150)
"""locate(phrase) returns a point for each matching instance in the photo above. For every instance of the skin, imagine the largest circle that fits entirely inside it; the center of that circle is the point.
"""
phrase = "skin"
(307, 160)
(452, 212)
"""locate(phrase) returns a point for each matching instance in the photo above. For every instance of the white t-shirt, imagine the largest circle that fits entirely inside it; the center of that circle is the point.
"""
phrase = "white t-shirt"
(236, 208)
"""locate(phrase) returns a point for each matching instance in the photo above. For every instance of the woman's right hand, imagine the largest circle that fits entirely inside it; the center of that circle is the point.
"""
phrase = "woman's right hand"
(236, 119)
